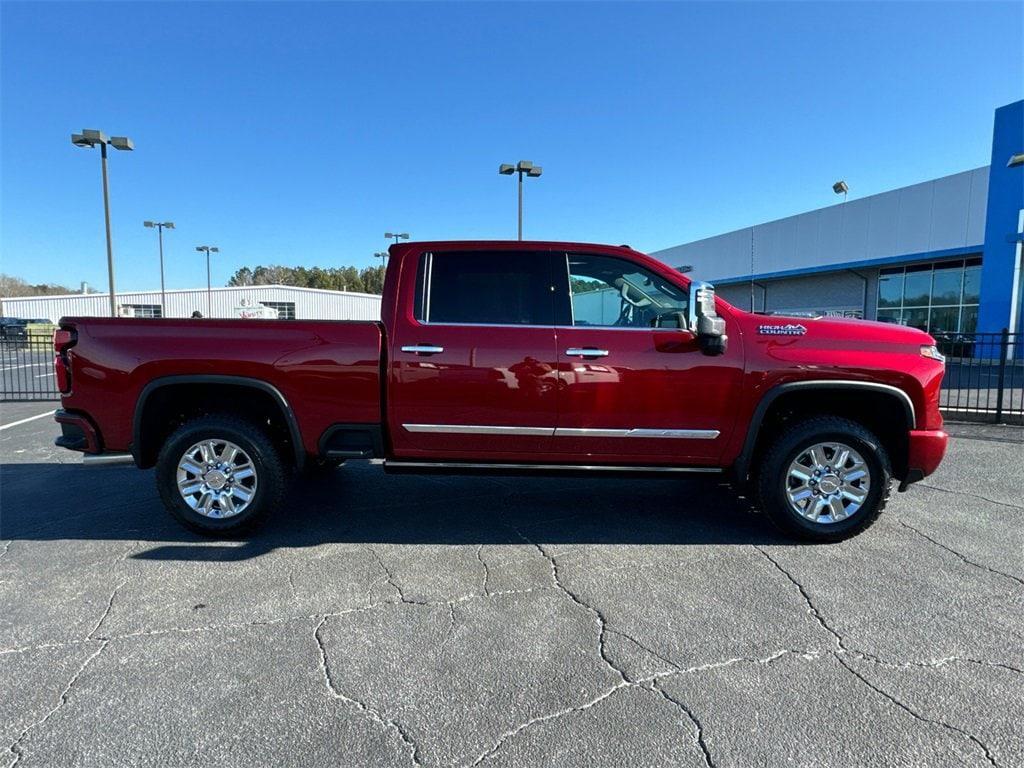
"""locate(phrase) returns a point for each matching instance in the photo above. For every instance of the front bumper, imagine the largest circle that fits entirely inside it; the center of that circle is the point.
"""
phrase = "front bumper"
(926, 447)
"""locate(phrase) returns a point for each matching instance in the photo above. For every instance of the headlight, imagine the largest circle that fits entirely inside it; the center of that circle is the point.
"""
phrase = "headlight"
(932, 351)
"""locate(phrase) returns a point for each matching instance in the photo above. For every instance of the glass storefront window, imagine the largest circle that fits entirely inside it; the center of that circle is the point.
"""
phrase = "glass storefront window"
(916, 318)
(890, 290)
(917, 288)
(969, 319)
(946, 285)
(889, 315)
(972, 285)
(941, 298)
(944, 320)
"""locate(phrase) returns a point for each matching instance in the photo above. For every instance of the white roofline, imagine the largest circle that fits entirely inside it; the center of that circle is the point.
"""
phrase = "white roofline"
(190, 290)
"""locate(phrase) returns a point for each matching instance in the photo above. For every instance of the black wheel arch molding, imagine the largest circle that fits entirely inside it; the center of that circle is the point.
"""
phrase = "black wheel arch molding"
(741, 467)
(206, 378)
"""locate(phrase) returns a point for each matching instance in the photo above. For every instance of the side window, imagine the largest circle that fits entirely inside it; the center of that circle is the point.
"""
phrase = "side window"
(486, 287)
(612, 292)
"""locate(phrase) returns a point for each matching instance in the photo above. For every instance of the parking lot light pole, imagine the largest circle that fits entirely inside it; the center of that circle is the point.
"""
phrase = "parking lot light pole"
(531, 170)
(160, 236)
(88, 139)
(209, 293)
(397, 235)
(382, 255)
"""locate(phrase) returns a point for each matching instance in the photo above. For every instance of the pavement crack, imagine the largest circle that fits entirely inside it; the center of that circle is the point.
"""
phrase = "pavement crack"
(487, 571)
(110, 605)
(935, 663)
(7, 546)
(645, 648)
(971, 495)
(373, 714)
(917, 715)
(602, 622)
(963, 557)
(694, 721)
(451, 626)
(393, 583)
(16, 747)
(515, 731)
(811, 607)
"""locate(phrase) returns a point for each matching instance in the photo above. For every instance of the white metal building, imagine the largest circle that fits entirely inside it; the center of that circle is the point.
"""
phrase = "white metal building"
(289, 302)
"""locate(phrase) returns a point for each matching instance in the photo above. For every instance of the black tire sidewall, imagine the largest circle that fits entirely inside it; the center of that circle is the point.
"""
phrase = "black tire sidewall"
(790, 445)
(251, 439)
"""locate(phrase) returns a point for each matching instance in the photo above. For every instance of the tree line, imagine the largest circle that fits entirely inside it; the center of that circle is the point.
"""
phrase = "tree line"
(11, 286)
(365, 280)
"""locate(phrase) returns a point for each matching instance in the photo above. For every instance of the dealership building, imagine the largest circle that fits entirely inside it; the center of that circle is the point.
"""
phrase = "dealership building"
(943, 255)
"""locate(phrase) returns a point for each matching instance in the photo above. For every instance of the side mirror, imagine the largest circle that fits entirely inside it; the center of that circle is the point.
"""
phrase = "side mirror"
(704, 319)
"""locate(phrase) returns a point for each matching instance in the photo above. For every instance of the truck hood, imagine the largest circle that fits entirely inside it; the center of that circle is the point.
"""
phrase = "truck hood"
(838, 328)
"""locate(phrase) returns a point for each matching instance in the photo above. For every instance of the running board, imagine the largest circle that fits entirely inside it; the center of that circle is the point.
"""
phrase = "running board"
(107, 459)
(582, 470)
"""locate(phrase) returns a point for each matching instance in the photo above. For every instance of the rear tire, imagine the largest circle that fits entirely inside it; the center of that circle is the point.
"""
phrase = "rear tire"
(220, 474)
(824, 479)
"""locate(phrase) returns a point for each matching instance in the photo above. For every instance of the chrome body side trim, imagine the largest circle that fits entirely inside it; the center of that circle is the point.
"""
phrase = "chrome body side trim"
(679, 434)
(472, 429)
(423, 349)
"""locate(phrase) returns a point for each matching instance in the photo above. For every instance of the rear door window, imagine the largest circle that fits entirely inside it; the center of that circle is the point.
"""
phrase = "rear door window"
(486, 288)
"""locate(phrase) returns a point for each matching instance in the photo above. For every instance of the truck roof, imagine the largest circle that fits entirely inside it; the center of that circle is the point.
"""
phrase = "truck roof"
(505, 245)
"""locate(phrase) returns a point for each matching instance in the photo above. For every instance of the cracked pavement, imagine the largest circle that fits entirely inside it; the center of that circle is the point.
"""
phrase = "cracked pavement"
(436, 621)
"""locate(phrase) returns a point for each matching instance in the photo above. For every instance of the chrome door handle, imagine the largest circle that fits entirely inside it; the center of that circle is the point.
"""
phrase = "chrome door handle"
(586, 352)
(422, 349)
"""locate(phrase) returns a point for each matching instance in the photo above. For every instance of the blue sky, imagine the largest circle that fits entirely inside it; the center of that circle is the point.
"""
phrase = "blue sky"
(298, 133)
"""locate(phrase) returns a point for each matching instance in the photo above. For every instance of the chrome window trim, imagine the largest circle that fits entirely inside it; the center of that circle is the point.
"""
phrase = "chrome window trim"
(643, 433)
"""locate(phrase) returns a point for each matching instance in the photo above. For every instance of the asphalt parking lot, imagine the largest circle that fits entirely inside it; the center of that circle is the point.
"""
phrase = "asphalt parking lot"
(481, 621)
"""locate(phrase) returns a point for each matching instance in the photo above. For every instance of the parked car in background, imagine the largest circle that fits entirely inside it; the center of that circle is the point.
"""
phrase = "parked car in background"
(13, 333)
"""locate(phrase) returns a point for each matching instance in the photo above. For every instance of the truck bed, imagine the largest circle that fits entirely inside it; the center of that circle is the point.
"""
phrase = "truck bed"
(328, 372)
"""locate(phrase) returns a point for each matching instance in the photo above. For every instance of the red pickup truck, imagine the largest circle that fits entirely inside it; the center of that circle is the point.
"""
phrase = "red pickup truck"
(509, 357)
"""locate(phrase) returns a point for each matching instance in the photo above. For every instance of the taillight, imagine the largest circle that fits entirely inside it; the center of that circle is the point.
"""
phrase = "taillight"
(62, 374)
(63, 340)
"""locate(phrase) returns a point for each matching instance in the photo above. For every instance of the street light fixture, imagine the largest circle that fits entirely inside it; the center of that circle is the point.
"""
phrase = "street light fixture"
(841, 188)
(397, 235)
(88, 139)
(382, 255)
(522, 167)
(209, 301)
(160, 226)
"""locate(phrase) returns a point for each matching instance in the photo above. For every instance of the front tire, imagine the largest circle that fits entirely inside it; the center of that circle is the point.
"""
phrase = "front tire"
(824, 479)
(219, 474)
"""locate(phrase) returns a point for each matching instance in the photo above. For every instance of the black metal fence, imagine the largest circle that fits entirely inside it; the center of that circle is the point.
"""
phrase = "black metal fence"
(26, 368)
(984, 378)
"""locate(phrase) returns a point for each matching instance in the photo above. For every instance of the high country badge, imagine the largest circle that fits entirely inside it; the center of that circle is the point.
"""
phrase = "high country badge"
(790, 329)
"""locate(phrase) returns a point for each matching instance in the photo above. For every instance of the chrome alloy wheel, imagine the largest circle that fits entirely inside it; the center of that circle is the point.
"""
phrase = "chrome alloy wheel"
(216, 478)
(827, 482)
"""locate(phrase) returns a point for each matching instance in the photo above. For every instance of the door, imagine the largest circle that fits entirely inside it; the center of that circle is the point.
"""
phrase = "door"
(473, 359)
(635, 386)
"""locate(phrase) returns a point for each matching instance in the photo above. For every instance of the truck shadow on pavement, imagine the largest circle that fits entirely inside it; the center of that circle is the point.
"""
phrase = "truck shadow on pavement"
(359, 504)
